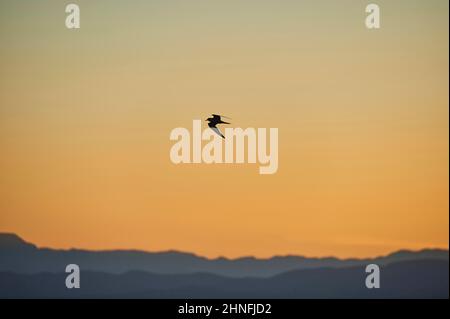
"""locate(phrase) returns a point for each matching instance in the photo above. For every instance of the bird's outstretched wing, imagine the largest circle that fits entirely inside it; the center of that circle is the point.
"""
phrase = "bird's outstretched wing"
(219, 117)
(215, 129)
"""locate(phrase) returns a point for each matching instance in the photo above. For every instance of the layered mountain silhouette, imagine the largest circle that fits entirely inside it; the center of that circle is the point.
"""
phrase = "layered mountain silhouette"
(19, 256)
(27, 271)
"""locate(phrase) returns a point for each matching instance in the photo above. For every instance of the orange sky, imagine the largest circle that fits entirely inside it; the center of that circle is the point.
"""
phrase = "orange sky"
(85, 118)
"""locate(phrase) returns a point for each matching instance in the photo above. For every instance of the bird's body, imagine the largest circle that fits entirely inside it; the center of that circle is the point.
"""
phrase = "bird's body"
(214, 121)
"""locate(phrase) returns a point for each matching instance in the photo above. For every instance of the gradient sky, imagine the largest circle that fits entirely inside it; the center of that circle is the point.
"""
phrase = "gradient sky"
(85, 118)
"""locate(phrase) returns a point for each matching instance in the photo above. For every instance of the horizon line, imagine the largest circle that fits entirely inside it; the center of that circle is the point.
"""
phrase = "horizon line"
(402, 250)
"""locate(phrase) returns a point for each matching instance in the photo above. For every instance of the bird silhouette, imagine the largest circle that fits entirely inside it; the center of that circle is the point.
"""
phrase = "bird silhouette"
(214, 120)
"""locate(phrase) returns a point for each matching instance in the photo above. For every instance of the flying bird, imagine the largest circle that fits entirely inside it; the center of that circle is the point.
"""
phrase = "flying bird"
(214, 120)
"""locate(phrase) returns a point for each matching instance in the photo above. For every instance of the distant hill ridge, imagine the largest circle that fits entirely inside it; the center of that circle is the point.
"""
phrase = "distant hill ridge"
(406, 279)
(19, 256)
(12, 241)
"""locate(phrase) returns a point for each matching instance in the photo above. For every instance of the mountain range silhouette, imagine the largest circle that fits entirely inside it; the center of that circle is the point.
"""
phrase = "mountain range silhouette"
(27, 271)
